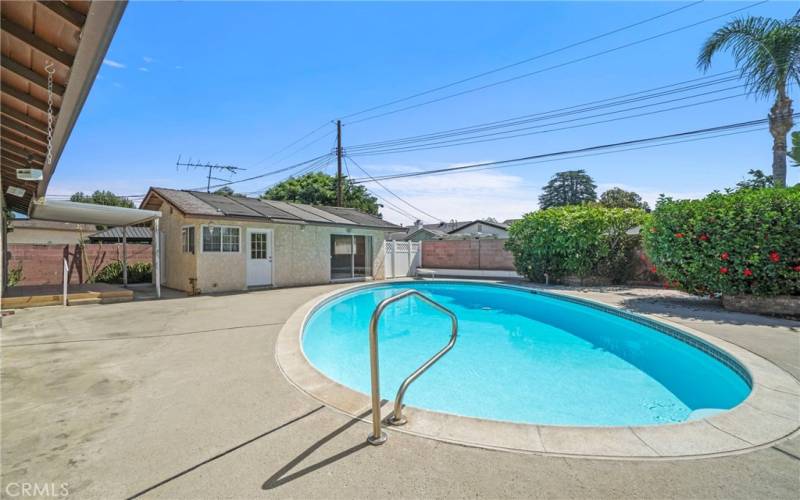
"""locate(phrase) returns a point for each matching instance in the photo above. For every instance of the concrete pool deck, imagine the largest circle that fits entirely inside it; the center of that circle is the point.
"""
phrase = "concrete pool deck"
(182, 398)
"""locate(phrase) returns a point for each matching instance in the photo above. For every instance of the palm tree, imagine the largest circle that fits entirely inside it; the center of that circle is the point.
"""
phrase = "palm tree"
(767, 53)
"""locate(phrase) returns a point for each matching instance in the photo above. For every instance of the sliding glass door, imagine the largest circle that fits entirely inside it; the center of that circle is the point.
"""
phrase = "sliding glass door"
(351, 256)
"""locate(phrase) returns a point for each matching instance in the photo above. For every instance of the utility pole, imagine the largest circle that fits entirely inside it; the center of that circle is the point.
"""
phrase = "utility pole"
(339, 163)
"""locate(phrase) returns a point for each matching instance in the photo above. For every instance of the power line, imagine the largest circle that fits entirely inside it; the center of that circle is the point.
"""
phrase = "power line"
(518, 63)
(600, 147)
(273, 172)
(564, 111)
(491, 137)
(556, 66)
(290, 144)
(392, 192)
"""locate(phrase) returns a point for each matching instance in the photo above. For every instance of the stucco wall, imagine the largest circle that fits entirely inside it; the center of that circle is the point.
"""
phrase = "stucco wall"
(301, 255)
(178, 266)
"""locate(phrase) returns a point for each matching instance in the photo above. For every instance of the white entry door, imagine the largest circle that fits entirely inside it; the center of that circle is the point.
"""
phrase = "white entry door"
(259, 257)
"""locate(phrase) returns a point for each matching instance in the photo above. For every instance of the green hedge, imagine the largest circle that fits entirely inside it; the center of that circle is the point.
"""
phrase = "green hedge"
(745, 242)
(583, 241)
(139, 272)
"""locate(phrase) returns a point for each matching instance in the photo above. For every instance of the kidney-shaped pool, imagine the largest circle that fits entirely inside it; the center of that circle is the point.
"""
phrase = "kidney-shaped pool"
(523, 356)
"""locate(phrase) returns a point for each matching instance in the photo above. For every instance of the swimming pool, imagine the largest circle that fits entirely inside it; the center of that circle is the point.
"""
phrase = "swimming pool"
(521, 357)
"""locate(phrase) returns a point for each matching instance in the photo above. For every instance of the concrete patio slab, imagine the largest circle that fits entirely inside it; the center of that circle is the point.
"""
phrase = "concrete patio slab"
(183, 399)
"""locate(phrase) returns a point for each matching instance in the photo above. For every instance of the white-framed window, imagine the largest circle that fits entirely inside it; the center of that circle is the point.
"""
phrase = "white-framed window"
(187, 238)
(221, 239)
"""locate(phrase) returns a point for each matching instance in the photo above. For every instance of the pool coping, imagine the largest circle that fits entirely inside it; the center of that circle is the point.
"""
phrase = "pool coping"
(770, 413)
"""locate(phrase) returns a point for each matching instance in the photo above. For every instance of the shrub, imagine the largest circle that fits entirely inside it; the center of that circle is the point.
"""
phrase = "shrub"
(585, 240)
(15, 275)
(139, 272)
(744, 242)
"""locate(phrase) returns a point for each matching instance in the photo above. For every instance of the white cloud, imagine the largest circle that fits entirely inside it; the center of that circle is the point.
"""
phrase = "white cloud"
(147, 59)
(462, 196)
(142, 68)
(113, 63)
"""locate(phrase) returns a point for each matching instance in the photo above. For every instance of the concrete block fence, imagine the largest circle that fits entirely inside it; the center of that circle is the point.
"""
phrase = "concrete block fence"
(486, 254)
(43, 264)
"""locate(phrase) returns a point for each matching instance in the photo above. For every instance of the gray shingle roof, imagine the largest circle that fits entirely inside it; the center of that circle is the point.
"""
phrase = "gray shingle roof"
(134, 233)
(221, 206)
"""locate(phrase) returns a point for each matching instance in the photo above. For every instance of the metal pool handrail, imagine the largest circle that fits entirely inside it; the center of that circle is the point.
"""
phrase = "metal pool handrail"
(379, 437)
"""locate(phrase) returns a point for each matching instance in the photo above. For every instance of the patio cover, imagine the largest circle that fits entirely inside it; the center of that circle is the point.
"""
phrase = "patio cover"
(88, 213)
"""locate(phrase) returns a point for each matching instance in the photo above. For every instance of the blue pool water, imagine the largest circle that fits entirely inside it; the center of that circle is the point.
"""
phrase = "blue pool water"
(520, 357)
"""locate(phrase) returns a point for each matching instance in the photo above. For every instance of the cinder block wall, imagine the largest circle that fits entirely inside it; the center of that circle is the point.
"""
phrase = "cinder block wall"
(43, 264)
(488, 254)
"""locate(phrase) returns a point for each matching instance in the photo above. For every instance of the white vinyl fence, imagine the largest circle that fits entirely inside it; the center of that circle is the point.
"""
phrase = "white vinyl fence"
(402, 258)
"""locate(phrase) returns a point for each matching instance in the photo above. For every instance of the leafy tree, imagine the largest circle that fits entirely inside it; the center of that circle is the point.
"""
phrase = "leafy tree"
(227, 191)
(758, 180)
(573, 187)
(319, 188)
(766, 52)
(794, 153)
(102, 198)
(619, 198)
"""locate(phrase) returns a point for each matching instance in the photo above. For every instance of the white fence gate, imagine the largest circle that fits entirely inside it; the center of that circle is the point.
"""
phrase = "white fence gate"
(402, 258)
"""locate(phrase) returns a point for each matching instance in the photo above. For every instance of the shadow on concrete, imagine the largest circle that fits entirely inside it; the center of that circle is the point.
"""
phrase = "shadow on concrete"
(222, 454)
(695, 308)
(282, 477)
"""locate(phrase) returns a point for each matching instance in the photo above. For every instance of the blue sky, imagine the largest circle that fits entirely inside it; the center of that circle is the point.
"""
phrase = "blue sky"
(234, 82)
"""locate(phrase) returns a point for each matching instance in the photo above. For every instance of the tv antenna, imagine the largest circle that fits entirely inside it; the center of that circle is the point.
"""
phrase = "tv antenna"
(211, 167)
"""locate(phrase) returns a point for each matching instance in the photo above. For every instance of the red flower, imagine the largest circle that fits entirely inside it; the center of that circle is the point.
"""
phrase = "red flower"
(723, 270)
(725, 256)
(679, 235)
(653, 269)
(796, 268)
(747, 272)
(703, 237)
(774, 256)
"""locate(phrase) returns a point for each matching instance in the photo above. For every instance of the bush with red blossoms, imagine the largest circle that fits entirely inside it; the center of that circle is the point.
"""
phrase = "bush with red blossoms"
(744, 242)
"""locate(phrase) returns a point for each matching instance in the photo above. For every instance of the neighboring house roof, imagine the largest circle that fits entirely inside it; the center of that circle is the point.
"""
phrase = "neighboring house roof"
(465, 225)
(217, 206)
(442, 229)
(55, 226)
(508, 222)
(115, 233)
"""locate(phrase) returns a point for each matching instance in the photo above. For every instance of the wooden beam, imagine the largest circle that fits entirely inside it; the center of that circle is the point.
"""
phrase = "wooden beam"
(25, 36)
(11, 155)
(70, 15)
(29, 75)
(22, 117)
(22, 152)
(27, 132)
(8, 160)
(26, 98)
(24, 141)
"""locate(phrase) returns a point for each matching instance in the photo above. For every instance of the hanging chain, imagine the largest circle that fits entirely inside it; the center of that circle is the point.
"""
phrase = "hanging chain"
(50, 68)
